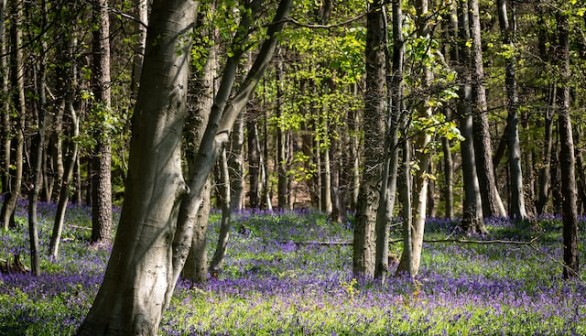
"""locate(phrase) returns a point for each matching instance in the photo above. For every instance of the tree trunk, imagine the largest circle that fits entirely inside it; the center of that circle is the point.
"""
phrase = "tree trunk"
(388, 187)
(326, 175)
(422, 152)
(224, 112)
(63, 197)
(253, 164)
(17, 78)
(235, 162)
(200, 103)
(281, 159)
(581, 176)
(224, 195)
(354, 127)
(448, 189)
(517, 201)
(196, 264)
(38, 144)
(545, 173)
(6, 134)
(567, 159)
(336, 215)
(472, 221)
(266, 195)
(135, 289)
(363, 261)
(405, 192)
(491, 203)
(101, 180)
(142, 8)
(66, 82)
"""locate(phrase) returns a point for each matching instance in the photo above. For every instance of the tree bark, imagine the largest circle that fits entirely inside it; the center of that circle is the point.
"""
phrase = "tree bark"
(472, 219)
(200, 105)
(101, 180)
(224, 112)
(448, 165)
(422, 151)
(142, 8)
(253, 164)
(38, 144)
(66, 82)
(567, 158)
(517, 201)
(236, 164)
(545, 171)
(18, 99)
(388, 187)
(281, 159)
(363, 261)
(135, 289)
(222, 246)
(491, 203)
(6, 134)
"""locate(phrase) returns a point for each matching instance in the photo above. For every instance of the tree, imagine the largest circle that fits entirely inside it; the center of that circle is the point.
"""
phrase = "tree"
(388, 185)
(102, 160)
(136, 285)
(19, 105)
(472, 219)
(39, 143)
(150, 247)
(491, 203)
(5, 89)
(66, 85)
(567, 156)
(374, 130)
(517, 201)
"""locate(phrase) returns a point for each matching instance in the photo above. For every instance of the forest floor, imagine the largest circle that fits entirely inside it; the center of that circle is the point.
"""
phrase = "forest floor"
(282, 278)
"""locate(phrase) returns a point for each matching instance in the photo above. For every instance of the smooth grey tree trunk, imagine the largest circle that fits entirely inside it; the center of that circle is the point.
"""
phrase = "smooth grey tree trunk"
(200, 101)
(102, 160)
(196, 264)
(142, 11)
(567, 158)
(63, 197)
(448, 166)
(266, 194)
(139, 275)
(472, 219)
(546, 168)
(224, 112)
(422, 154)
(388, 185)
(517, 201)
(38, 143)
(224, 195)
(363, 260)
(236, 164)
(491, 203)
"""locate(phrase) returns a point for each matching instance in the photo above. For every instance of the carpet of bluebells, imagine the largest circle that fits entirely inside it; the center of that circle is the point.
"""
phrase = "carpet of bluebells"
(280, 279)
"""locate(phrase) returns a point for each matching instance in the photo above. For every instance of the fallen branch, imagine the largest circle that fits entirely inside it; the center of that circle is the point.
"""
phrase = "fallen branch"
(319, 243)
(479, 242)
(454, 240)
